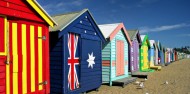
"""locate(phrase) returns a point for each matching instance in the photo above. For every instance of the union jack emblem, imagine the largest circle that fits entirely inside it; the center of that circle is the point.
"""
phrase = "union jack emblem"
(73, 61)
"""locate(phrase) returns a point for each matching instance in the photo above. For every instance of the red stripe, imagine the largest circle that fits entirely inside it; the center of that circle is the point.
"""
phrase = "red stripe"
(43, 59)
(36, 57)
(19, 49)
(45, 47)
(28, 58)
(2, 48)
(47, 59)
(11, 58)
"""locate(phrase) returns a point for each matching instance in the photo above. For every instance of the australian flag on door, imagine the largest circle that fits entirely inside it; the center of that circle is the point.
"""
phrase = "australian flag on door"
(73, 61)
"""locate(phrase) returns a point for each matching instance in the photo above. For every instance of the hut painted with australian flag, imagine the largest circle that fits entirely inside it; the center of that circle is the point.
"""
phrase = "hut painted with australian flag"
(115, 56)
(144, 54)
(134, 51)
(24, 47)
(75, 53)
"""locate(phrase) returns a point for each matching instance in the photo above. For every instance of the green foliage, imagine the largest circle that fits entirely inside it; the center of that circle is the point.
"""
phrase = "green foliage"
(185, 49)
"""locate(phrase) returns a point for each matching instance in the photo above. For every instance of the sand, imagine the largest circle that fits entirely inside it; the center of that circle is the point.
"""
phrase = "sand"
(172, 79)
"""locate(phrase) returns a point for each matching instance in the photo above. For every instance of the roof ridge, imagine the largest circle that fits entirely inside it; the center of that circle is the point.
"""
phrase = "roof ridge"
(109, 24)
(67, 13)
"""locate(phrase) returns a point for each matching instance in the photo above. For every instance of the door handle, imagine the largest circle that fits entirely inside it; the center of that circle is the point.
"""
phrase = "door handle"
(43, 83)
(7, 62)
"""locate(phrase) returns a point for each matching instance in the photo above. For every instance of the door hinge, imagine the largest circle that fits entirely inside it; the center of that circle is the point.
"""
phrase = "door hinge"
(43, 37)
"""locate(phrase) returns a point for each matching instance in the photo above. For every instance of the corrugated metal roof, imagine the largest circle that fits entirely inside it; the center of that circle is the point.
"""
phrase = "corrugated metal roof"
(107, 29)
(64, 20)
(132, 33)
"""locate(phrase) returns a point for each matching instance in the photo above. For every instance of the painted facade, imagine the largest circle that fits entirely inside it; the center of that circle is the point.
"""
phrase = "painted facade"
(153, 55)
(168, 55)
(115, 52)
(161, 54)
(144, 54)
(75, 53)
(134, 51)
(24, 49)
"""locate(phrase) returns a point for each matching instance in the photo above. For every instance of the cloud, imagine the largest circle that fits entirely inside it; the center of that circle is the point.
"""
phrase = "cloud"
(143, 3)
(62, 6)
(163, 28)
(184, 35)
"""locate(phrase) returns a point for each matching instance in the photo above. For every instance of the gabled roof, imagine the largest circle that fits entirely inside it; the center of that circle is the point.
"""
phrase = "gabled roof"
(152, 42)
(66, 19)
(107, 29)
(132, 33)
(110, 30)
(41, 12)
(159, 45)
(144, 38)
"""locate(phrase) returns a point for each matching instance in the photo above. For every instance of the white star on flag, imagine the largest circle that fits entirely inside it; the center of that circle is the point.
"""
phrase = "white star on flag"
(91, 60)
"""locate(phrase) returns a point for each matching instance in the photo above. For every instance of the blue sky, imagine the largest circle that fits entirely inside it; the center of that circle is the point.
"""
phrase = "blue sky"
(165, 20)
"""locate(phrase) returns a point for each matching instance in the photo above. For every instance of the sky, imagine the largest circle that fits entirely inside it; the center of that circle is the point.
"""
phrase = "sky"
(165, 20)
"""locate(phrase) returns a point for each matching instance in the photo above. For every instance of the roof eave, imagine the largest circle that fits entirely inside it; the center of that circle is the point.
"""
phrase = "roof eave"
(42, 12)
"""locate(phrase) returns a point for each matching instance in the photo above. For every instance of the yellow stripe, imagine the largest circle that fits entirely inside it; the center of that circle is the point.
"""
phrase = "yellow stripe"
(7, 66)
(32, 57)
(14, 40)
(40, 12)
(15, 58)
(24, 74)
(40, 57)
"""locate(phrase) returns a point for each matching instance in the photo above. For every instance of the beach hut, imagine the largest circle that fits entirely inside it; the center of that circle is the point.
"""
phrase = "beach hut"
(75, 53)
(153, 55)
(134, 51)
(115, 57)
(144, 54)
(176, 58)
(161, 56)
(24, 47)
(168, 56)
(172, 55)
(164, 54)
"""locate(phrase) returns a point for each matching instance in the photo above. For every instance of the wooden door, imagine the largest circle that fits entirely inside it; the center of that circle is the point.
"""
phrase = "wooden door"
(28, 68)
(120, 64)
(3, 54)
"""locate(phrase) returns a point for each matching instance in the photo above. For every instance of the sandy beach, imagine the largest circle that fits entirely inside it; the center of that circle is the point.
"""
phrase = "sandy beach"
(172, 79)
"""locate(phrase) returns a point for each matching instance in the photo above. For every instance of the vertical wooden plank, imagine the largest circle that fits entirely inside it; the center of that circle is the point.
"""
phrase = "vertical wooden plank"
(32, 60)
(122, 67)
(19, 53)
(24, 60)
(11, 57)
(118, 58)
(28, 59)
(6, 47)
(47, 59)
(40, 57)
(36, 57)
(15, 58)
(43, 59)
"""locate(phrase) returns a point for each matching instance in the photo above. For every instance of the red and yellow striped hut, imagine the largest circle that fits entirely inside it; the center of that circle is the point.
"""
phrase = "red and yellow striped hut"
(24, 47)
